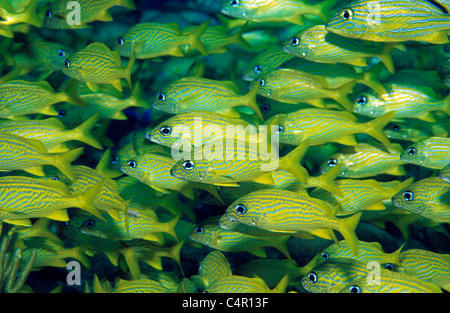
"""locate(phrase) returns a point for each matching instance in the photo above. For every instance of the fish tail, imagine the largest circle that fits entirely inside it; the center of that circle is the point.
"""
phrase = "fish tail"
(174, 254)
(238, 39)
(30, 16)
(370, 79)
(78, 253)
(195, 36)
(41, 230)
(291, 162)
(131, 258)
(282, 246)
(394, 257)
(251, 100)
(70, 93)
(282, 285)
(127, 4)
(170, 226)
(447, 105)
(83, 132)
(129, 68)
(386, 57)
(136, 97)
(324, 9)
(63, 162)
(97, 285)
(86, 199)
(341, 95)
(400, 186)
(375, 128)
(327, 182)
(212, 189)
(347, 229)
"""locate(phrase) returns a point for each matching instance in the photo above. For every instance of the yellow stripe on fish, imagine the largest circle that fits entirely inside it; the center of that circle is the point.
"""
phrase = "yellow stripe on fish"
(214, 266)
(433, 152)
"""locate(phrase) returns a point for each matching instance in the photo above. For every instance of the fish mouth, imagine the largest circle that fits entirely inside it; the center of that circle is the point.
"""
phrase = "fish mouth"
(232, 220)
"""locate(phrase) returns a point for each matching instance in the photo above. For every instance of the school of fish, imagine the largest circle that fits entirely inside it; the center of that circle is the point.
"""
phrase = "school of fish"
(236, 146)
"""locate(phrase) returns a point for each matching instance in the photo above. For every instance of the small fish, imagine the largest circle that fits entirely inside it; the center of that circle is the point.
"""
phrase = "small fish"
(432, 152)
(278, 211)
(390, 282)
(322, 126)
(291, 11)
(58, 16)
(406, 100)
(428, 197)
(373, 21)
(141, 285)
(360, 195)
(19, 203)
(12, 14)
(152, 40)
(213, 267)
(241, 284)
(414, 130)
(30, 155)
(202, 94)
(264, 62)
(317, 44)
(294, 86)
(97, 64)
(444, 173)
(210, 234)
(20, 97)
(427, 265)
(355, 164)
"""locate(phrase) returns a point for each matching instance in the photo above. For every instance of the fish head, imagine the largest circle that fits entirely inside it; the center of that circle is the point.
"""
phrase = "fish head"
(73, 67)
(168, 100)
(369, 104)
(237, 8)
(353, 20)
(170, 133)
(92, 227)
(416, 153)
(55, 17)
(193, 170)
(402, 131)
(410, 200)
(203, 234)
(247, 210)
(267, 85)
(333, 161)
(303, 44)
(135, 167)
(125, 46)
(318, 280)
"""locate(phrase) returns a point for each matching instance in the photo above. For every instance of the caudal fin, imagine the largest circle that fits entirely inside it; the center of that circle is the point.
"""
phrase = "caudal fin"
(129, 68)
(83, 132)
(347, 229)
(291, 162)
(63, 162)
(195, 36)
(71, 94)
(370, 79)
(85, 200)
(375, 128)
(251, 100)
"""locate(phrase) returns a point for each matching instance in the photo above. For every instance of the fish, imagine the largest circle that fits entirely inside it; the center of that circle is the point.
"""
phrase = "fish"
(13, 14)
(202, 94)
(154, 171)
(291, 11)
(141, 285)
(444, 173)
(20, 97)
(19, 203)
(322, 126)
(213, 267)
(241, 284)
(427, 265)
(360, 195)
(406, 100)
(390, 282)
(432, 152)
(60, 12)
(294, 86)
(413, 129)
(52, 132)
(289, 212)
(153, 40)
(264, 62)
(30, 155)
(355, 164)
(369, 20)
(97, 64)
(428, 197)
(317, 44)
(210, 234)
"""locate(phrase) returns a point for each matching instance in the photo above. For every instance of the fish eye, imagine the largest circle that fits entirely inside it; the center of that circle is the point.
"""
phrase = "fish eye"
(61, 113)
(132, 164)
(354, 289)
(262, 82)
(188, 165)
(234, 3)
(265, 108)
(408, 195)
(165, 130)
(115, 159)
(66, 63)
(312, 276)
(389, 266)
(295, 41)
(280, 129)
(120, 41)
(258, 69)
(395, 127)
(361, 100)
(332, 162)
(56, 177)
(199, 230)
(89, 223)
(240, 209)
(48, 13)
(412, 151)
(61, 53)
(161, 97)
(325, 255)
(347, 14)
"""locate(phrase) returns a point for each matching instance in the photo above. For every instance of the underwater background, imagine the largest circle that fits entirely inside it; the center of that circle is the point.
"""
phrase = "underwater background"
(169, 254)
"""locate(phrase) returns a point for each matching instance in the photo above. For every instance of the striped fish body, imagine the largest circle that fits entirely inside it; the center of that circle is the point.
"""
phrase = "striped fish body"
(366, 160)
(241, 284)
(202, 94)
(198, 128)
(385, 21)
(214, 266)
(290, 212)
(427, 265)
(57, 14)
(333, 275)
(415, 130)
(274, 11)
(406, 101)
(265, 62)
(322, 126)
(317, 44)
(432, 152)
(140, 286)
(428, 197)
(210, 234)
(390, 282)
(360, 195)
(23, 198)
(444, 174)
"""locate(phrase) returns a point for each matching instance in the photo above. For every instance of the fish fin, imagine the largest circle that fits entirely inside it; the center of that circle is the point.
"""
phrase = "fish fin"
(170, 227)
(117, 84)
(386, 57)
(340, 95)
(375, 128)
(318, 103)
(358, 62)
(377, 206)
(322, 233)
(83, 132)
(127, 4)
(42, 230)
(251, 100)
(129, 69)
(93, 87)
(347, 230)
(427, 117)
(326, 181)
(63, 162)
(85, 200)
(370, 79)
(78, 254)
(187, 192)
(265, 179)
(30, 16)
(291, 162)
(303, 235)
(397, 171)
(49, 110)
(323, 9)
(349, 140)
(136, 95)
(260, 252)
(35, 170)
(401, 186)
(71, 93)
(438, 38)
(160, 189)
(227, 184)
(238, 39)
(195, 36)
(296, 19)
(103, 166)
(20, 222)
(113, 257)
(447, 106)
(282, 246)
(212, 189)
(104, 16)
(60, 215)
